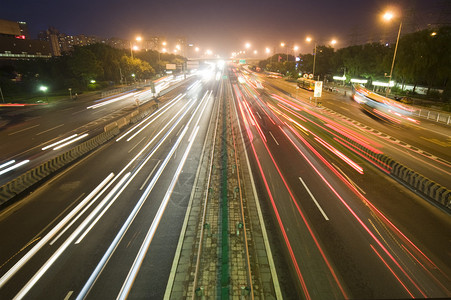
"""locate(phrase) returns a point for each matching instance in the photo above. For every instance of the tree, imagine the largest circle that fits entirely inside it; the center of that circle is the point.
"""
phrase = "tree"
(84, 65)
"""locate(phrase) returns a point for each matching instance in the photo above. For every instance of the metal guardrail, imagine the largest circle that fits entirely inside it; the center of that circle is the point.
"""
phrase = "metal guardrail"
(436, 116)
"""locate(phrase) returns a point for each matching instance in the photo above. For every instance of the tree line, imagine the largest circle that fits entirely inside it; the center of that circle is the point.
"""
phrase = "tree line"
(423, 59)
(86, 67)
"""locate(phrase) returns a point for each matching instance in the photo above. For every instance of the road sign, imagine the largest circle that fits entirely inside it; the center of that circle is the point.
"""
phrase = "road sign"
(242, 61)
(318, 89)
(171, 67)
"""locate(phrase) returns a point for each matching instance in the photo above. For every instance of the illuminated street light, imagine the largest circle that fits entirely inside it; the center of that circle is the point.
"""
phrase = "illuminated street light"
(387, 17)
(44, 90)
(333, 42)
(255, 51)
(164, 43)
(134, 47)
(268, 50)
(196, 49)
(247, 45)
(177, 47)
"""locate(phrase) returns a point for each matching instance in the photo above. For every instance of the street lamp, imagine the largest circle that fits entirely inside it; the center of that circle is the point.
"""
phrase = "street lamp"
(387, 17)
(247, 45)
(283, 45)
(44, 90)
(134, 47)
(309, 39)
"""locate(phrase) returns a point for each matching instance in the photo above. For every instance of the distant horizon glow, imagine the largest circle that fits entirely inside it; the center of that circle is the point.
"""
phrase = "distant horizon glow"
(226, 26)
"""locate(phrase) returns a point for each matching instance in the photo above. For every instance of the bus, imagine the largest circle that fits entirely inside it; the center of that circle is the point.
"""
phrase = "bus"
(382, 107)
(305, 83)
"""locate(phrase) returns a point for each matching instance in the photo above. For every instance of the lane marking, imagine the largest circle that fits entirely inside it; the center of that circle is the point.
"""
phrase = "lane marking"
(68, 295)
(49, 129)
(136, 144)
(148, 177)
(24, 129)
(274, 138)
(314, 199)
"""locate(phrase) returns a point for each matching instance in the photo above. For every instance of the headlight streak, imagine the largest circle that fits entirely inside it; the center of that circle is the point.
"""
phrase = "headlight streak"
(126, 287)
(159, 112)
(145, 126)
(372, 235)
(340, 155)
(49, 235)
(66, 244)
(86, 288)
(45, 267)
(7, 163)
(59, 142)
(136, 171)
(111, 101)
(14, 166)
(71, 141)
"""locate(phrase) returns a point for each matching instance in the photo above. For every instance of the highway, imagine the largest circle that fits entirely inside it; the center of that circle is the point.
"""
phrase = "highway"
(363, 234)
(108, 225)
(95, 221)
(38, 133)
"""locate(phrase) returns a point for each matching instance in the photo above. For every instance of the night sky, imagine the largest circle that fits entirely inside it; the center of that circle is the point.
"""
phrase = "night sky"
(225, 26)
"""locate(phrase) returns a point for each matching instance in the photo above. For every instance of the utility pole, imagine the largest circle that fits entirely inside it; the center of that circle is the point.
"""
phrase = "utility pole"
(3, 99)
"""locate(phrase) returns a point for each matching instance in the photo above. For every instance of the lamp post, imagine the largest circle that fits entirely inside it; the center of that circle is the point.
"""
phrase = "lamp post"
(134, 47)
(387, 17)
(309, 39)
(44, 90)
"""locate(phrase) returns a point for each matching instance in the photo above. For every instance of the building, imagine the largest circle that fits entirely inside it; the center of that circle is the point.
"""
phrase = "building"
(16, 44)
(61, 43)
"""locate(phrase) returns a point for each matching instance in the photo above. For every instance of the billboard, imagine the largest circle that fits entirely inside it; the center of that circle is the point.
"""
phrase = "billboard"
(171, 67)
(318, 89)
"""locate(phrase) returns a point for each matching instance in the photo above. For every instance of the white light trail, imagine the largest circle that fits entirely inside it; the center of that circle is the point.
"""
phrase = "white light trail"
(160, 113)
(126, 287)
(14, 166)
(59, 142)
(7, 163)
(71, 141)
(49, 235)
(111, 101)
(66, 244)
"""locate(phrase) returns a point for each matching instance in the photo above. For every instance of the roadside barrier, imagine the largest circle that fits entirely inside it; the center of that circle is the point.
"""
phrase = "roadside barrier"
(417, 182)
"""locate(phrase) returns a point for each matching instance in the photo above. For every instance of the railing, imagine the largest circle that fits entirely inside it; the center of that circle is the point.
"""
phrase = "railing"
(436, 116)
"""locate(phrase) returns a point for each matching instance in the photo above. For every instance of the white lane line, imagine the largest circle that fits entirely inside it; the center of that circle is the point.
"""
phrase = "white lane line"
(23, 129)
(258, 115)
(136, 144)
(68, 295)
(314, 199)
(148, 177)
(274, 138)
(50, 129)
